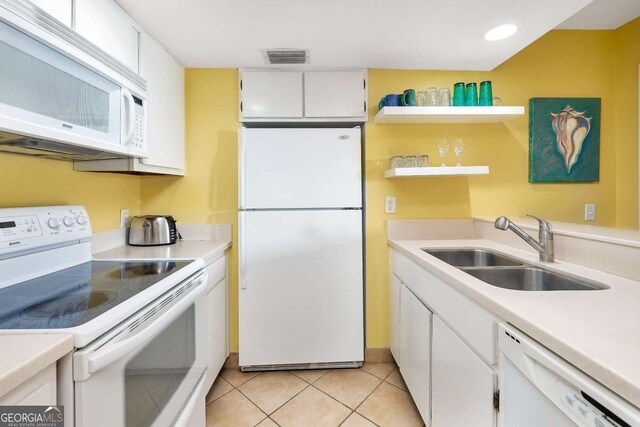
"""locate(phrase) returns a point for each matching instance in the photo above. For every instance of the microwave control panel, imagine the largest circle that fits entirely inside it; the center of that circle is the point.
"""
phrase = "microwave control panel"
(139, 124)
(28, 228)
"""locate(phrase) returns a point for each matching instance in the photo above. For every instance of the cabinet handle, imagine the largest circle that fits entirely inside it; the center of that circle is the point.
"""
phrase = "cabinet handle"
(364, 84)
(240, 106)
(240, 84)
(365, 105)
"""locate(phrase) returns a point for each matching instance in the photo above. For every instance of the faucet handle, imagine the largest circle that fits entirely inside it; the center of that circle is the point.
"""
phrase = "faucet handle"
(544, 224)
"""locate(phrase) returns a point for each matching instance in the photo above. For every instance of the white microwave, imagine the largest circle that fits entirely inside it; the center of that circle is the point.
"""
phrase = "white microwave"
(53, 106)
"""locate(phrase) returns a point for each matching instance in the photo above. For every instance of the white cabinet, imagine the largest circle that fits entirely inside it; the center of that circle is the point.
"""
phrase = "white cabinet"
(38, 390)
(165, 106)
(298, 96)
(106, 25)
(394, 316)
(62, 10)
(335, 94)
(275, 94)
(217, 319)
(415, 349)
(462, 384)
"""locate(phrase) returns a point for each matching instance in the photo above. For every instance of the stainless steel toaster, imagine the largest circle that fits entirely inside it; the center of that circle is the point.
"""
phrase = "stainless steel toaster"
(153, 230)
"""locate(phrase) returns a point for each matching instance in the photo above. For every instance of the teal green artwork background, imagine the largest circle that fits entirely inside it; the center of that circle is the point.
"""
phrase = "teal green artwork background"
(546, 163)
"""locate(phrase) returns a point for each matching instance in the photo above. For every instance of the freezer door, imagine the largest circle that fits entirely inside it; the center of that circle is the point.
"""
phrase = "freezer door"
(301, 287)
(300, 168)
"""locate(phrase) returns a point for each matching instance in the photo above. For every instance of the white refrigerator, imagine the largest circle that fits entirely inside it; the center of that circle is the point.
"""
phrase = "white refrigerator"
(301, 292)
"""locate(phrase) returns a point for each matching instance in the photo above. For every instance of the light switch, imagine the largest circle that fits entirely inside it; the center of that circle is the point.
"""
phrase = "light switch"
(590, 212)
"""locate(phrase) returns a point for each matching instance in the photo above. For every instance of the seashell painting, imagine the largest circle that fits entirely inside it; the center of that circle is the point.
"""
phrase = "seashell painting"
(564, 140)
(571, 128)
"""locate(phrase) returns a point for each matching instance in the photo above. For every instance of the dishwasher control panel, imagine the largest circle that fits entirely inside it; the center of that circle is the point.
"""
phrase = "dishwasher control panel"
(575, 401)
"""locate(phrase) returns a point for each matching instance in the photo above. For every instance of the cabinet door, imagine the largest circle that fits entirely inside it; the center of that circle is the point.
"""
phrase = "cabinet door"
(394, 316)
(216, 331)
(415, 349)
(271, 94)
(165, 105)
(59, 9)
(334, 94)
(38, 390)
(462, 384)
(110, 28)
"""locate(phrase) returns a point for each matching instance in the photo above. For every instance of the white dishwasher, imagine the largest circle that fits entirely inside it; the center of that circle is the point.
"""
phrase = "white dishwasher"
(538, 388)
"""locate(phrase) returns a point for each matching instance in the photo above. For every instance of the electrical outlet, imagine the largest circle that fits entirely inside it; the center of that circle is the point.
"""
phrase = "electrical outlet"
(590, 212)
(124, 217)
(390, 205)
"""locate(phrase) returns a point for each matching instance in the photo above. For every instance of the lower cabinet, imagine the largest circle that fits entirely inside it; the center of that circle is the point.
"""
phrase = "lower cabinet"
(217, 320)
(415, 349)
(462, 383)
(394, 316)
(38, 390)
(444, 345)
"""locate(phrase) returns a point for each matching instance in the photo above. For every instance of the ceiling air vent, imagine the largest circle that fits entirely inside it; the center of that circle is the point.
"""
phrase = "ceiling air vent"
(286, 56)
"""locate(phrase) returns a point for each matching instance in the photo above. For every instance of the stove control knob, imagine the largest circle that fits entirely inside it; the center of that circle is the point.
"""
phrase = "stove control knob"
(69, 221)
(53, 223)
(82, 220)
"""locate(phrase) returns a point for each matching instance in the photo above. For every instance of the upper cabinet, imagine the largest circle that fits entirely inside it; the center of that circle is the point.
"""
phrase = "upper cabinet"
(298, 96)
(271, 94)
(335, 94)
(62, 10)
(106, 25)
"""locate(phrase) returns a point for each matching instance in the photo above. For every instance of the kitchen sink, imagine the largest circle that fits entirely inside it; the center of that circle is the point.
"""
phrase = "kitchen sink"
(531, 279)
(472, 258)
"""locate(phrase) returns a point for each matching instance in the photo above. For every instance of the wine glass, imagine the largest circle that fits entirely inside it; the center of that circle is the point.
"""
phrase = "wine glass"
(458, 148)
(443, 149)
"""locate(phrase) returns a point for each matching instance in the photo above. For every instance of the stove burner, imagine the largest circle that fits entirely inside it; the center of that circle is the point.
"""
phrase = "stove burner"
(145, 269)
(75, 303)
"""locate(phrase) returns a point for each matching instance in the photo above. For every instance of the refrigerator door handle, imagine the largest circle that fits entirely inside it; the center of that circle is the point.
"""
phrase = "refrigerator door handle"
(243, 253)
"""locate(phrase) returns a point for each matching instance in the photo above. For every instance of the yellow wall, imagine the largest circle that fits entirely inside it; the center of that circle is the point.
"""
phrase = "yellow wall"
(28, 181)
(626, 110)
(209, 191)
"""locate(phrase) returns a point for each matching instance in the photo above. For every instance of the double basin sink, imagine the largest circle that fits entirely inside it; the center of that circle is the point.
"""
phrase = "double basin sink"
(508, 273)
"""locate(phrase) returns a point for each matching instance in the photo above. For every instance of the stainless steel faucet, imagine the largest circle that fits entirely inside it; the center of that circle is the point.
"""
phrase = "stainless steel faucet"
(544, 246)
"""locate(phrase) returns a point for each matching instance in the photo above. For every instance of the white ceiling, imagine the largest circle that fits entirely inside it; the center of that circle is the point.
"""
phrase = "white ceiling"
(603, 15)
(409, 34)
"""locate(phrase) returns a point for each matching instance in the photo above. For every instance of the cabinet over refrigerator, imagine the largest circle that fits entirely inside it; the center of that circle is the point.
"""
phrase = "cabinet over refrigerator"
(301, 248)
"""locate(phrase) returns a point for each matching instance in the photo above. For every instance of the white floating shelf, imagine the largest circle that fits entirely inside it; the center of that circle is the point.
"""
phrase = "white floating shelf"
(436, 171)
(447, 114)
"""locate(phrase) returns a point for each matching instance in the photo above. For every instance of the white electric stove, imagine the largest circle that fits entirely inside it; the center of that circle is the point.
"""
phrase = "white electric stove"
(138, 326)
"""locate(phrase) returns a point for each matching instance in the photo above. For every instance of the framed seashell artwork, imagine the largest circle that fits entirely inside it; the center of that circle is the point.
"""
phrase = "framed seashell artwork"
(564, 139)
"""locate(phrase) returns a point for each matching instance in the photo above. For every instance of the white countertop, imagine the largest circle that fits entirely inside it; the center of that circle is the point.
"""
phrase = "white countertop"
(596, 331)
(207, 250)
(23, 356)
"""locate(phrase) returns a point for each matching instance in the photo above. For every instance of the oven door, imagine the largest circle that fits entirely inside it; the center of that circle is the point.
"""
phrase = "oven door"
(145, 371)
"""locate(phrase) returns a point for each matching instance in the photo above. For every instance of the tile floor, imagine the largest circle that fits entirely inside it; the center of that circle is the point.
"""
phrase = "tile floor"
(374, 395)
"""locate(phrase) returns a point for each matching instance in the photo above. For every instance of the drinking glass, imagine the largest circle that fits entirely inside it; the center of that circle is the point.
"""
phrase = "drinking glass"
(458, 148)
(423, 161)
(432, 96)
(396, 162)
(443, 149)
(486, 96)
(444, 97)
(421, 98)
(471, 95)
(410, 162)
(458, 94)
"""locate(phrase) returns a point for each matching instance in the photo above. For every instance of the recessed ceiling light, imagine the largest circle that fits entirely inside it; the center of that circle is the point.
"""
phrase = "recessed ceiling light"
(500, 32)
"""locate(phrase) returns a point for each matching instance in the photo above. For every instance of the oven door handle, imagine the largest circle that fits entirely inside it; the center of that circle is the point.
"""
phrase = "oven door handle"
(107, 354)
